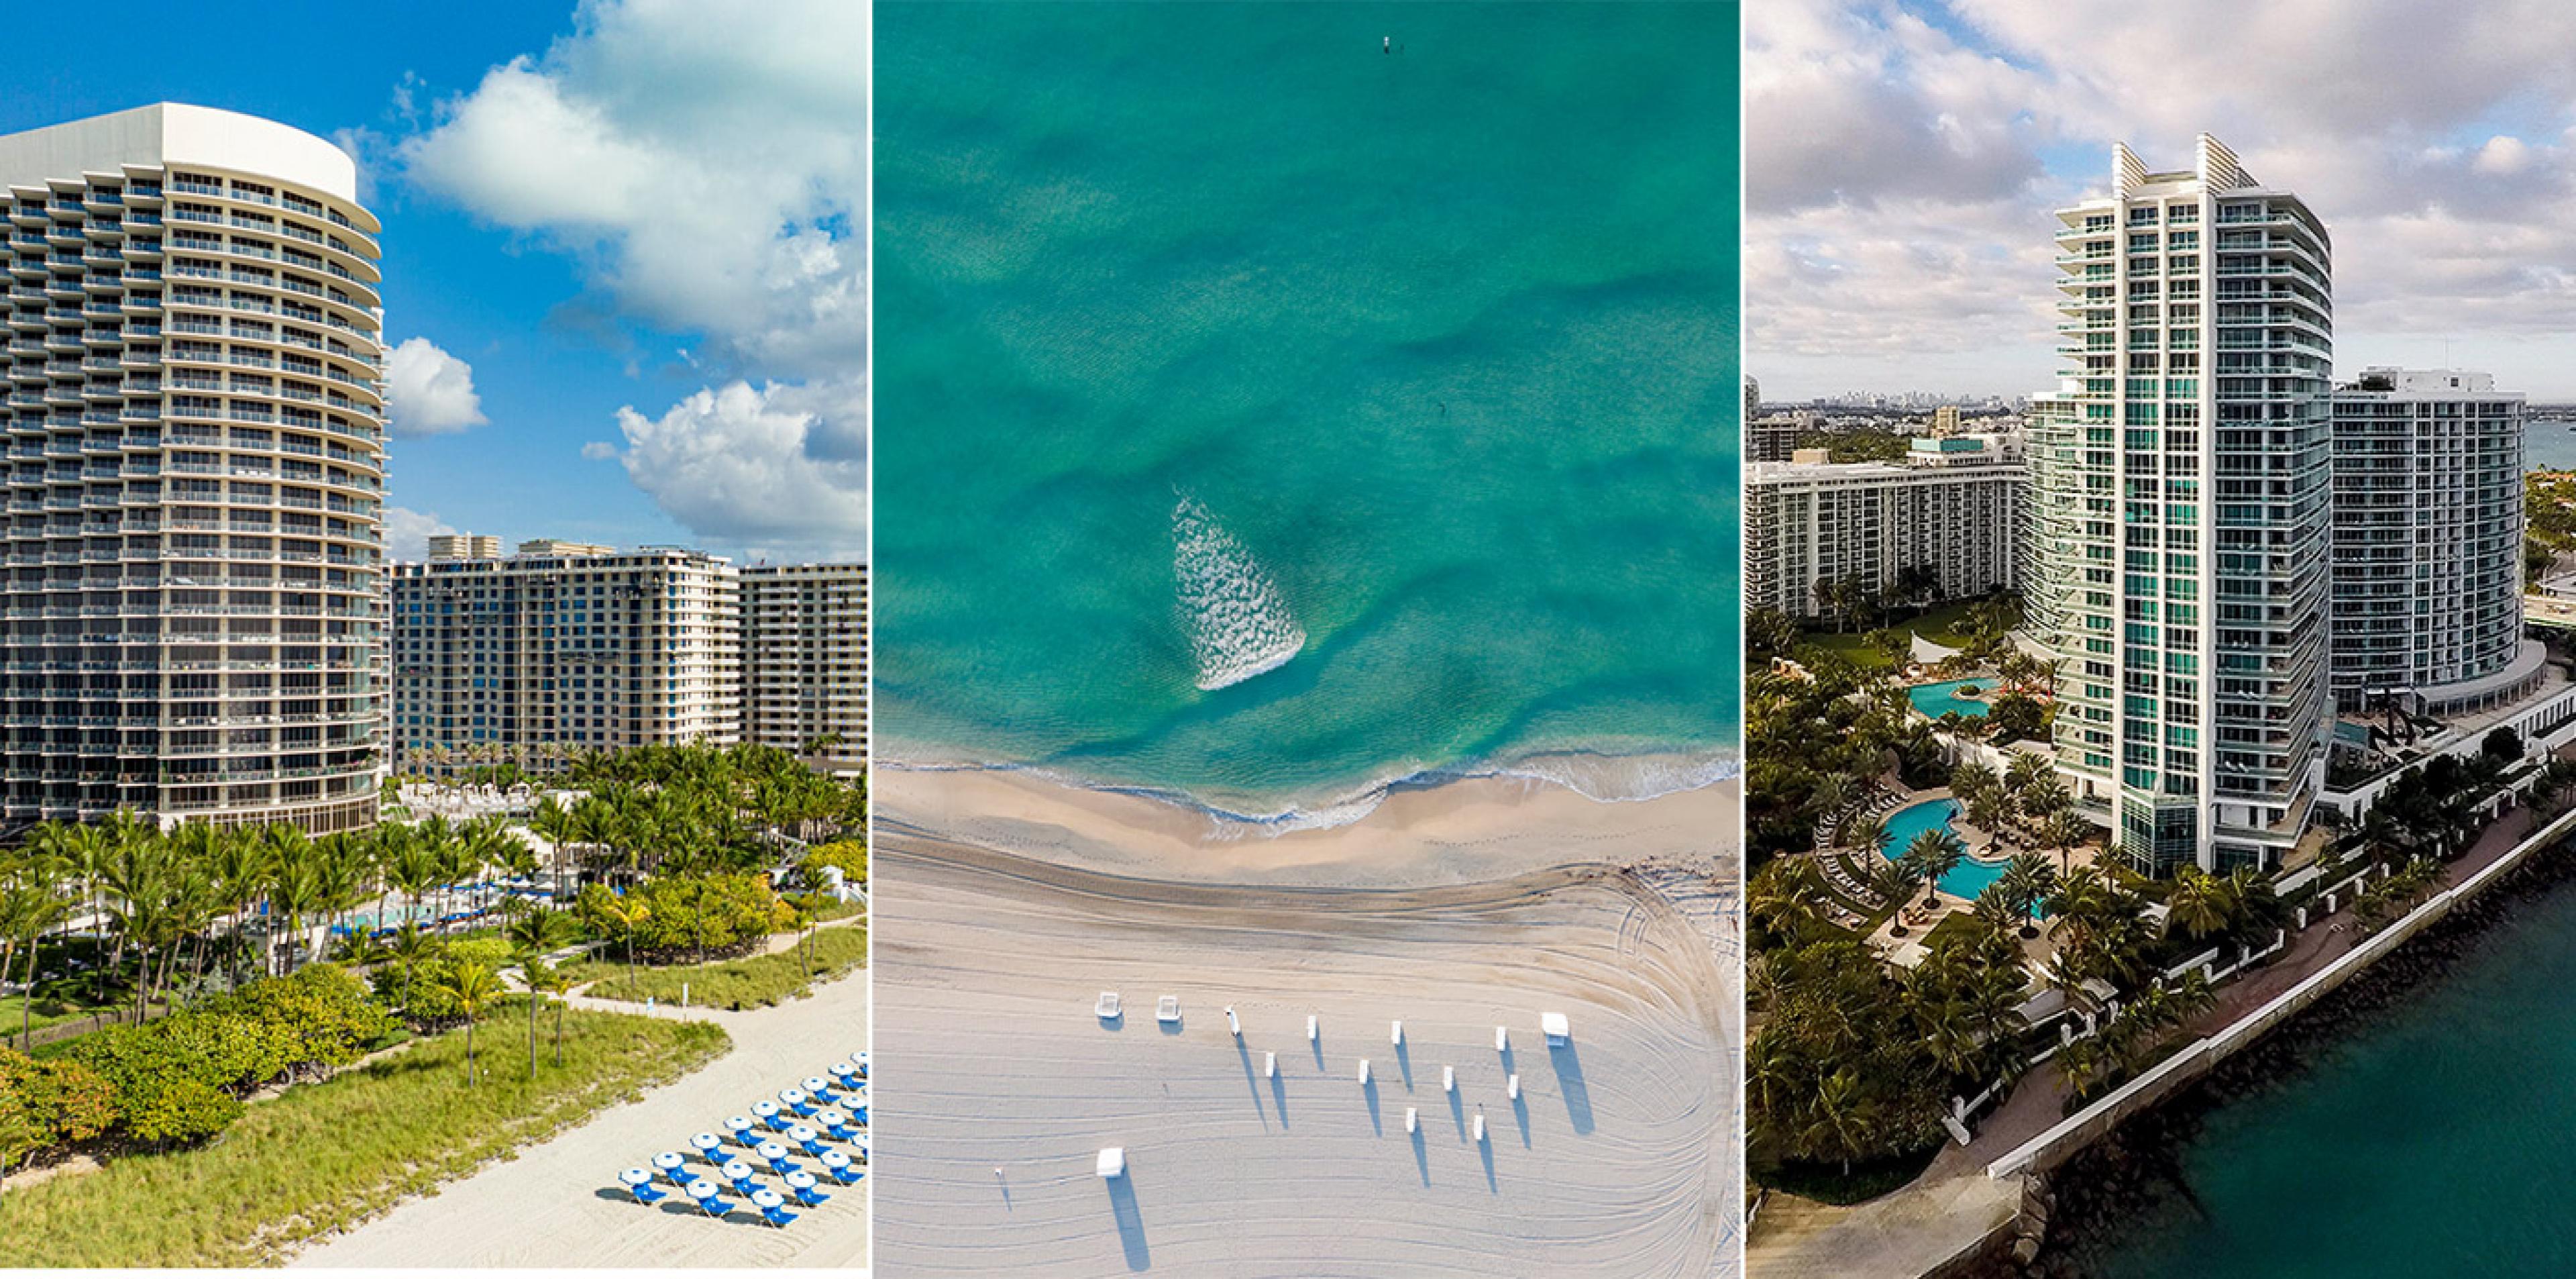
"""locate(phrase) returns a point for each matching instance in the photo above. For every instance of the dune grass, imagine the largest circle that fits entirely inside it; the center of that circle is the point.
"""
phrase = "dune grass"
(757, 982)
(327, 1156)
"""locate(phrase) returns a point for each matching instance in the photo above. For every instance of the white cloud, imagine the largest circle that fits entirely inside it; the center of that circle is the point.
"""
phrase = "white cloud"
(706, 161)
(706, 164)
(598, 451)
(407, 532)
(431, 392)
(1902, 169)
(777, 470)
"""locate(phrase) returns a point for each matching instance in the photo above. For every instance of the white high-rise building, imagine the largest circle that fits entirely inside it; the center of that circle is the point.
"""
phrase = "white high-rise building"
(805, 660)
(2181, 485)
(2428, 521)
(195, 474)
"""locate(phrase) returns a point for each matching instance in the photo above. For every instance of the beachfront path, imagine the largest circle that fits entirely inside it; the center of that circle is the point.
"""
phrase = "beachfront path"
(553, 1205)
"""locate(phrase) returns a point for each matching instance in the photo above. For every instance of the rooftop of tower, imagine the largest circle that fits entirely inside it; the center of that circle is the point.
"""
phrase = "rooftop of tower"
(168, 133)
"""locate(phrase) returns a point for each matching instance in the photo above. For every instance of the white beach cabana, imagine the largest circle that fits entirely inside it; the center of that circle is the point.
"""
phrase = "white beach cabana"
(1112, 1164)
(1167, 1008)
(1364, 1072)
(1107, 1009)
(1557, 1029)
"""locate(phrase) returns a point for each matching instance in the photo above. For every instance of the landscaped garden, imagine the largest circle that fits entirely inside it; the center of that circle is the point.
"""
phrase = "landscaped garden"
(318, 1157)
(194, 1084)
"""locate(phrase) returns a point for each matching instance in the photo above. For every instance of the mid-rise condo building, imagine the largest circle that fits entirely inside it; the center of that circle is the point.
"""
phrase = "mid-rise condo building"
(2428, 523)
(195, 474)
(559, 648)
(1945, 520)
(2181, 486)
(805, 661)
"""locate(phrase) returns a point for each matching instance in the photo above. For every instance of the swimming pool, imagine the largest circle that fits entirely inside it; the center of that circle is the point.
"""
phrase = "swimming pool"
(1937, 700)
(1970, 876)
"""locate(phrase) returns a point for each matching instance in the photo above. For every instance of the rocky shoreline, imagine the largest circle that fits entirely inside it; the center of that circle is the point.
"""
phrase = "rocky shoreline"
(2074, 1221)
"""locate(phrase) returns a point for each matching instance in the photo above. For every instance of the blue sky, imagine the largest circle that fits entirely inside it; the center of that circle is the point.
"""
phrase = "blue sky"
(497, 255)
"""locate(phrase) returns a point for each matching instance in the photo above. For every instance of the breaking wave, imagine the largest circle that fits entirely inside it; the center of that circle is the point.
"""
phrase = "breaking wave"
(1239, 624)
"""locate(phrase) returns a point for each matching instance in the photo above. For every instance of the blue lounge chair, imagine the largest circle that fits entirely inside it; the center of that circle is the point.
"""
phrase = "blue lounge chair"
(811, 1197)
(715, 1206)
(746, 1187)
(648, 1196)
(846, 1175)
(841, 1132)
(778, 1217)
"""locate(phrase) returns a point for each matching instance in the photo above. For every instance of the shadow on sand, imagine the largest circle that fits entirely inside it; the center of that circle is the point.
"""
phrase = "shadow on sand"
(1131, 1223)
(1569, 1077)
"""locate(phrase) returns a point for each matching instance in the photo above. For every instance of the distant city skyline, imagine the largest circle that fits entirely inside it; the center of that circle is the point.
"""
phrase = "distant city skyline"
(1902, 160)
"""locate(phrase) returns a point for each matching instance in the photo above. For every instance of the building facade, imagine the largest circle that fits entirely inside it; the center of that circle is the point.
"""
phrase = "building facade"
(2428, 524)
(2181, 485)
(805, 661)
(1951, 513)
(195, 471)
(560, 648)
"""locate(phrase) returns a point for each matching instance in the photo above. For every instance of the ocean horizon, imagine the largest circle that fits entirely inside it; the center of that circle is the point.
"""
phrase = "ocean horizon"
(1374, 431)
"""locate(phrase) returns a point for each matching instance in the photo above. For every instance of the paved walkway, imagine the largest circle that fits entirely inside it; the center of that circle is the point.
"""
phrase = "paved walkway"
(555, 1205)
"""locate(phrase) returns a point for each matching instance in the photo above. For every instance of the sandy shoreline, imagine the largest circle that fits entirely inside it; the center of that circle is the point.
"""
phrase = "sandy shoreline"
(1475, 828)
(1007, 903)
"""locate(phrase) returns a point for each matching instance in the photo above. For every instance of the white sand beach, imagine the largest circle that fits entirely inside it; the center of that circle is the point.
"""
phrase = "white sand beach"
(555, 1205)
(1454, 909)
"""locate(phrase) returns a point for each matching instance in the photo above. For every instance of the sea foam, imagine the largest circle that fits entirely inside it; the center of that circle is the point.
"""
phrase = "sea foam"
(1239, 624)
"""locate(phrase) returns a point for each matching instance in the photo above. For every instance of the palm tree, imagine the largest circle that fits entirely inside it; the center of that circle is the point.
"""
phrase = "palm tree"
(296, 888)
(2197, 903)
(1935, 853)
(1868, 833)
(31, 902)
(552, 981)
(473, 986)
(534, 936)
(413, 947)
(2032, 879)
(2063, 831)
(1842, 1119)
(1892, 881)
(627, 915)
(242, 863)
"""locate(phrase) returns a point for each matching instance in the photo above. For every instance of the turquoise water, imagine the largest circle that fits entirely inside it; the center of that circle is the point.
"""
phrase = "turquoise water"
(1263, 416)
(2438, 1137)
(1937, 700)
(2549, 446)
(1967, 879)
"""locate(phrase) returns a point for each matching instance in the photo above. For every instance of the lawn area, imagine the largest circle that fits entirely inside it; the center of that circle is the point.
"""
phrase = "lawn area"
(326, 1156)
(757, 982)
(1940, 625)
(52, 1008)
